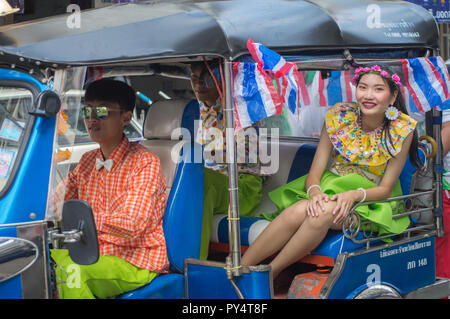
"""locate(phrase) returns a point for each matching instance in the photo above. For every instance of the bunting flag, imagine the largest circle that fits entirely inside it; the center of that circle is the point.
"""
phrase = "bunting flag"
(426, 80)
(285, 74)
(255, 96)
(335, 88)
(318, 88)
(94, 73)
(304, 95)
(268, 59)
(288, 86)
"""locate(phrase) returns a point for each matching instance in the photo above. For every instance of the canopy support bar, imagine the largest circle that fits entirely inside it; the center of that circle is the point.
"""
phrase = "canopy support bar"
(438, 169)
(233, 211)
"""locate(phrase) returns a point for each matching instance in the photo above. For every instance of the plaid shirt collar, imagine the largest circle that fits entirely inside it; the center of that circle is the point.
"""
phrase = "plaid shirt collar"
(118, 153)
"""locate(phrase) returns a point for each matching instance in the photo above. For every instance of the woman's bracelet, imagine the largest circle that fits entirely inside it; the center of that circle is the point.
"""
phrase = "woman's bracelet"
(312, 186)
(364, 192)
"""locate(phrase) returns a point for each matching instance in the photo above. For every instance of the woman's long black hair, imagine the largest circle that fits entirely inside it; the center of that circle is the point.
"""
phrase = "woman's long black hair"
(401, 106)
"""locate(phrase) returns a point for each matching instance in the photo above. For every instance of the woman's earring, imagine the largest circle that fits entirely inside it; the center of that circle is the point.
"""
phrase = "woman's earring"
(391, 113)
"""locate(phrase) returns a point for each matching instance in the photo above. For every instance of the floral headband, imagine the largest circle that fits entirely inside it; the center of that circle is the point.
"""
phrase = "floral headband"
(375, 70)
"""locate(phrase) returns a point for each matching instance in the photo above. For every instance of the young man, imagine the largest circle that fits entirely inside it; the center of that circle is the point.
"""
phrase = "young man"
(123, 183)
(211, 134)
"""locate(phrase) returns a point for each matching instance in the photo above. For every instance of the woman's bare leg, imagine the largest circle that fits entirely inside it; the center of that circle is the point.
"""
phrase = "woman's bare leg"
(305, 239)
(276, 234)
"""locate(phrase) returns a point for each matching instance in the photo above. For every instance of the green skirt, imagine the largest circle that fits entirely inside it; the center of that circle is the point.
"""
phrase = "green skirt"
(217, 199)
(380, 214)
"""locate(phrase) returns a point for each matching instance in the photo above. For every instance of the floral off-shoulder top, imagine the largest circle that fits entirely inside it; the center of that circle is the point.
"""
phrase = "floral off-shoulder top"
(354, 147)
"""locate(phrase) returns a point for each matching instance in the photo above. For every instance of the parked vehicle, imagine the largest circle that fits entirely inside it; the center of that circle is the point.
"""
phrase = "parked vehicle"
(152, 44)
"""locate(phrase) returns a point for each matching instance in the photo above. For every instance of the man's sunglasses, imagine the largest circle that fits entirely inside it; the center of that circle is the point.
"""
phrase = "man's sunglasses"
(101, 112)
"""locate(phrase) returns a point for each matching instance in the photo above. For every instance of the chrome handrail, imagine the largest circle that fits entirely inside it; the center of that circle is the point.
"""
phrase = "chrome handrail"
(352, 224)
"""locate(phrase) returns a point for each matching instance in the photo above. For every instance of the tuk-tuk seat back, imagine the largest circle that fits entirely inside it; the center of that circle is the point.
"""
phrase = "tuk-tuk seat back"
(162, 120)
(163, 117)
(184, 178)
(294, 160)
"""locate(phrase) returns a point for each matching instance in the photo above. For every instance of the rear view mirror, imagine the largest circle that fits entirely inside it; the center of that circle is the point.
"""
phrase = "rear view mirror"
(79, 232)
(47, 104)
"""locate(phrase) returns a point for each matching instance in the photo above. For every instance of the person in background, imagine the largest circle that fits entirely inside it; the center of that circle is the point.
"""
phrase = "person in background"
(211, 134)
(123, 183)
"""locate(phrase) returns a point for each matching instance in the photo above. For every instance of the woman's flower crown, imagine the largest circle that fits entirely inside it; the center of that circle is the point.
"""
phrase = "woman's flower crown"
(375, 70)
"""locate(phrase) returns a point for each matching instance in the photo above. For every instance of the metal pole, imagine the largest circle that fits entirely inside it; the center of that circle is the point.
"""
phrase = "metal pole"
(233, 212)
(438, 170)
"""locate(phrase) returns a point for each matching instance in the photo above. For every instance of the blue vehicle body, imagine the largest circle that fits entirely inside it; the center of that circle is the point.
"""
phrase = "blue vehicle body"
(28, 192)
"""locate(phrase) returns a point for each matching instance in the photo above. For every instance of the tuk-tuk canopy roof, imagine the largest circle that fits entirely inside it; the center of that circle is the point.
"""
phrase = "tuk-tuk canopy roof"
(154, 30)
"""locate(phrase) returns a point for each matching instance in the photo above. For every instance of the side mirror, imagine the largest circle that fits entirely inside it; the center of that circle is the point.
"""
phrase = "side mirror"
(47, 104)
(79, 233)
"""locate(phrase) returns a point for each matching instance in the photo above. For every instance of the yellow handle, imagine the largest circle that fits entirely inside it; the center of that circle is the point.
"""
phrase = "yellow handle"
(433, 143)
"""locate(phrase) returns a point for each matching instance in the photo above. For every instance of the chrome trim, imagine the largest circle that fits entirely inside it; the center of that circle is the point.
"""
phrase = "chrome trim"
(395, 243)
(352, 223)
(234, 234)
(378, 291)
(339, 265)
(439, 289)
(16, 255)
(36, 279)
(33, 223)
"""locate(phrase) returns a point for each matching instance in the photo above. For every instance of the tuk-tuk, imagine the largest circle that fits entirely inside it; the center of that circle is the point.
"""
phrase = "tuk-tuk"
(152, 44)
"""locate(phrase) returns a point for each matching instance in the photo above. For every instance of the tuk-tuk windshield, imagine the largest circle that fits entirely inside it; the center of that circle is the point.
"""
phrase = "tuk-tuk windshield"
(15, 103)
(69, 83)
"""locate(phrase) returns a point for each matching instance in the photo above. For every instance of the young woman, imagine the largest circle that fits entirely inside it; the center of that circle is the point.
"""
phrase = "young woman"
(369, 142)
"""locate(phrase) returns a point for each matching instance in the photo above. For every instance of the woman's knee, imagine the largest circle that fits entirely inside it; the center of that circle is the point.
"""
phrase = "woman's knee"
(295, 214)
(325, 217)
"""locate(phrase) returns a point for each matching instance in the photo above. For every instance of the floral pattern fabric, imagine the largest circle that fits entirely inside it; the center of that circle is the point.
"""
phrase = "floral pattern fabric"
(352, 144)
(211, 134)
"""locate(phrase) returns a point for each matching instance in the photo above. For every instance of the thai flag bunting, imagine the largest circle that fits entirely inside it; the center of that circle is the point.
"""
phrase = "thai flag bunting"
(288, 86)
(427, 82)
(268, 59)
(304, 94)
(285, 73)
(334, 89)
(318, 88)
(94, 73)
(255, 96)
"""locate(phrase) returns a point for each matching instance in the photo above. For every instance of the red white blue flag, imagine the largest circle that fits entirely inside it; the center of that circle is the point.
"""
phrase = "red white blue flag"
(332, 89)
(255, 95)
(427, 82)
(268, 59)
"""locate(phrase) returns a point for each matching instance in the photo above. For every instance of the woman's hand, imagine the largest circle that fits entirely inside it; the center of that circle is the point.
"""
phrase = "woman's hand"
(344, 202)
(316, 204)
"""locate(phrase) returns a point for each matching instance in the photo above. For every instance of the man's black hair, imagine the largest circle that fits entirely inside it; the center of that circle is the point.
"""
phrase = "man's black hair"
(112, 91)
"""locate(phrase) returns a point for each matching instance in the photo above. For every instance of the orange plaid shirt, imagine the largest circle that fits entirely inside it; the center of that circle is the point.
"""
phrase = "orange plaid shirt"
(128, 203)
